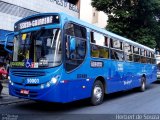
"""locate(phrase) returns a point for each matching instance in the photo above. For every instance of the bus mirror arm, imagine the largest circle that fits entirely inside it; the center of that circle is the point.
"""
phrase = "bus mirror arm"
(6, 41)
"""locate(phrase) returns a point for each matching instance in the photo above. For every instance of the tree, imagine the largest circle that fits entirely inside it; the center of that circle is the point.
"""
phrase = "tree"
(137, 20)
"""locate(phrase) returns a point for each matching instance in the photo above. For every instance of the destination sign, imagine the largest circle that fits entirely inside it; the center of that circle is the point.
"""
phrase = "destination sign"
(37, 21)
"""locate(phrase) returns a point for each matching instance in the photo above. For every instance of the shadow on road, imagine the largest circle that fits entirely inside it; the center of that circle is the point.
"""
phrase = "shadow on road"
(53, 107)
(157, 82)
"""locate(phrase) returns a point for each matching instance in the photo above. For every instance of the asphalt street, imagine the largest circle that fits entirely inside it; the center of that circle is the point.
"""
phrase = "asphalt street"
(126, 102)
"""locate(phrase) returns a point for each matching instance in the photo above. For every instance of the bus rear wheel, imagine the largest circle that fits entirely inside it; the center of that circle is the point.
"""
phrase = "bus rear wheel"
(97, 93)
(143, 84)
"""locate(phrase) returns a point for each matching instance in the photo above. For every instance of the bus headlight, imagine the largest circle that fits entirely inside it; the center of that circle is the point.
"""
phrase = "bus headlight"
(48, 84)
(42, 86)
(9, 79)
(53, 80)
(12, 83)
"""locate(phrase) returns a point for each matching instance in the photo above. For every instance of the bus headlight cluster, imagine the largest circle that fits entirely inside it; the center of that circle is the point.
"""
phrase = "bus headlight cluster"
(10, 80)
(48, 84)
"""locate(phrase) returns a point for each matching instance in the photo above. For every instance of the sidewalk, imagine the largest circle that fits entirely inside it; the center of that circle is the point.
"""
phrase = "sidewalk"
(7, 99)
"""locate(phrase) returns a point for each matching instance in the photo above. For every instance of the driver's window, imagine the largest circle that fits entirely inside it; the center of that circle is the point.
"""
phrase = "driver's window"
(75, 57)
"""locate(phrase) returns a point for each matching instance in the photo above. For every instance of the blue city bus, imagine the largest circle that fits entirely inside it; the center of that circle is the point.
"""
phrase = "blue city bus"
(59, 58)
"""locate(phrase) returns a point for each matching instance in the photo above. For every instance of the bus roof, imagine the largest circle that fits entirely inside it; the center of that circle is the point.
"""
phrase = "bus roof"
(93, 27)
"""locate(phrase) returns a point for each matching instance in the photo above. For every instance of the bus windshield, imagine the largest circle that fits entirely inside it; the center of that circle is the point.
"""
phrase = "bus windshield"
(37, 49)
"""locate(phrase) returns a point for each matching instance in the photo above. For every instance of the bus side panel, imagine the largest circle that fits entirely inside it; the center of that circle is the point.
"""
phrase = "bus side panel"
(79, 89)
(151, 75)
(114, 76)
(79, 82)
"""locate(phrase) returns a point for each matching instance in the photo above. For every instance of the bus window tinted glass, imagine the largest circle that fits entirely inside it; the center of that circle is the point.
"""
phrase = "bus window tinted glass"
(117, 55)
(127, 48)
(136, 50)
(128, 52)
(75, 30)
(99, 51)
(74, 58)
(142, 52)
(116, 44)
(137, 58)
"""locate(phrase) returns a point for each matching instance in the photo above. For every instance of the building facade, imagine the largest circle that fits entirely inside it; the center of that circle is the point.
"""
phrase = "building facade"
(14, 10)
(91, 15)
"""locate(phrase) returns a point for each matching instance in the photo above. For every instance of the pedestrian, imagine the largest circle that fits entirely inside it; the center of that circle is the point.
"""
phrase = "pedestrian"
(3, 72)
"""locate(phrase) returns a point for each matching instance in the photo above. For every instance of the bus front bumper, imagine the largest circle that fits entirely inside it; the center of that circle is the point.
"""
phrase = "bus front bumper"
(51, 94)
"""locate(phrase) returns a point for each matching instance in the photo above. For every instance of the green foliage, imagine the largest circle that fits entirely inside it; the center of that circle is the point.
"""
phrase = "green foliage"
(137, 20)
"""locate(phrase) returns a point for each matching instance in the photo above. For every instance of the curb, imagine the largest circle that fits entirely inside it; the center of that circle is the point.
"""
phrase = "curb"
(12, 102)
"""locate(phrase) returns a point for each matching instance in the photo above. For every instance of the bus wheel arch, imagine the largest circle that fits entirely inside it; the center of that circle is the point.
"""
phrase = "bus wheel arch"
(98, 91)
(143, 83)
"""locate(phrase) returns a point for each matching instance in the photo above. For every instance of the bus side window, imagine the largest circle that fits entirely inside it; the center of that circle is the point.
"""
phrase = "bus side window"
(117, 55)
(114, 55)
(76, 56)
(99, 45)
(92, 38)
(94, 51)
(69, 28)
(104, 52)
(128, 52)
(106, 41)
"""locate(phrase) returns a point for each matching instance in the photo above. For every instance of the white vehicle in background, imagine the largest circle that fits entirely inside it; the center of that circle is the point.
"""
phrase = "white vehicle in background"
(158, 66)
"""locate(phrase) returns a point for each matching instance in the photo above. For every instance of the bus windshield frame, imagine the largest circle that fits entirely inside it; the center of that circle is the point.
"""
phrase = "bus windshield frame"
(37, 49)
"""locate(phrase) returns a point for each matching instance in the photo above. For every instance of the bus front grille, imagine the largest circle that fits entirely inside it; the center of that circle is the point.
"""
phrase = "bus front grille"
(30, 85)
(28, 73)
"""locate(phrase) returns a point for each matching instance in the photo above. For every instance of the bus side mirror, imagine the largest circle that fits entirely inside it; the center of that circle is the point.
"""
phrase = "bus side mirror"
(72, 44)
(6, 41)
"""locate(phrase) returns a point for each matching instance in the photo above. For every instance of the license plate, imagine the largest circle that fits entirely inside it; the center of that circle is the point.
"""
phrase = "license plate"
(26, 92)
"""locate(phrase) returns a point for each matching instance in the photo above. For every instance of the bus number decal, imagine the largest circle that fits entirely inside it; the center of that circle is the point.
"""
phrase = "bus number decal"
(81, 75)
(32, 81)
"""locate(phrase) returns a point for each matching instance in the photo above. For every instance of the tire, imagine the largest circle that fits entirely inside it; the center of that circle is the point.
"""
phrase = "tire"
(97, 93)
(143, 84)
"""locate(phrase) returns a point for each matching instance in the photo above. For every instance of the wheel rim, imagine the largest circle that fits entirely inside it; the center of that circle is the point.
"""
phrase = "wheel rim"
(97, 93)
(143, 86)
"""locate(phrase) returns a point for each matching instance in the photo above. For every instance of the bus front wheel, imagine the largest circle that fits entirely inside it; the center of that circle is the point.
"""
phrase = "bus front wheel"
(97, 93)
(143, 84)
